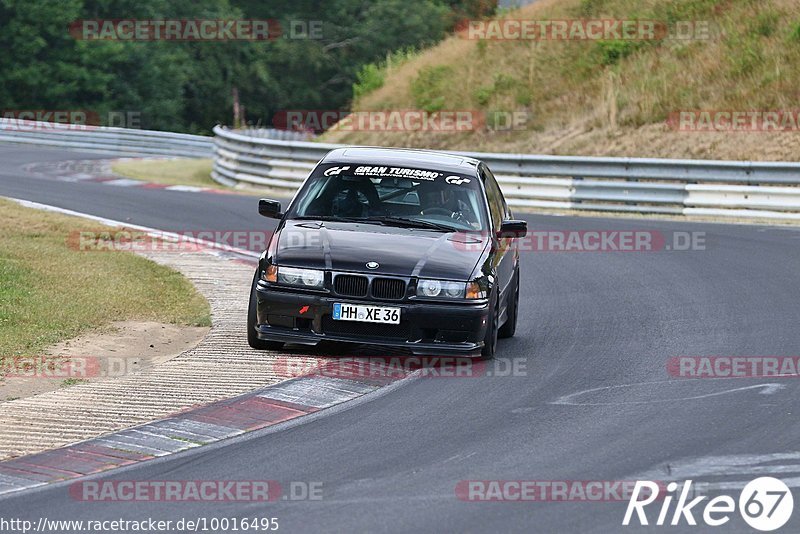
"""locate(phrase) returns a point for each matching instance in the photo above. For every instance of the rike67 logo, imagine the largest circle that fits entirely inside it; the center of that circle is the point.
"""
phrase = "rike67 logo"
(766, 504)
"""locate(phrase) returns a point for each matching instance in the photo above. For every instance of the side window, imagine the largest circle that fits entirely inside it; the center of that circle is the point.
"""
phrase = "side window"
(504, 206)
(495, 197)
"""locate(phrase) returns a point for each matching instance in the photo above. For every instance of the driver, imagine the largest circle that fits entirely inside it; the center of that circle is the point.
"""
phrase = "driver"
(435, 199)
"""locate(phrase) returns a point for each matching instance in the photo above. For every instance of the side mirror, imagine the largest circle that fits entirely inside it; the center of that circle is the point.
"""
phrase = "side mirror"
(269, 208)
(511, 229)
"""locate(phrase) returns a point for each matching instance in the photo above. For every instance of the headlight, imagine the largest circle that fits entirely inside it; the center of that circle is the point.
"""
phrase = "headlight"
(271, 274)
(300, 277)
(476, 291)
(441, 288)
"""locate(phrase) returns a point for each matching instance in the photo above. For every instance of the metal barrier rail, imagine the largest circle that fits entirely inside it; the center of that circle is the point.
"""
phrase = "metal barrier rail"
(638, 185)
(125, 141)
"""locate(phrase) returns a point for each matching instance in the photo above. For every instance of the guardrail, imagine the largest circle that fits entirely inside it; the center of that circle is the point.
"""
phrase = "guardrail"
(125, 141)
(639, 185)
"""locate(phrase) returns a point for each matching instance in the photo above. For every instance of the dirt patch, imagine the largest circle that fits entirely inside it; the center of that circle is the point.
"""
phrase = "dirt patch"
(120, 349)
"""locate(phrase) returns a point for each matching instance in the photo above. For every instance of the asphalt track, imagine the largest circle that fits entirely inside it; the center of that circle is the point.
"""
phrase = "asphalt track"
(588, 320)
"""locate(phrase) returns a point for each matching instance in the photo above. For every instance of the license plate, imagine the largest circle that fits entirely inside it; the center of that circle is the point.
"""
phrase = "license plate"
(366, 314)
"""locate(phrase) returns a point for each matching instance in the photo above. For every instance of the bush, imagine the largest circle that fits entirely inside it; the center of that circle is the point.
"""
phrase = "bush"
(794, 34)
(611, 52)
(765, 23)
(429, 89)
(369, 78)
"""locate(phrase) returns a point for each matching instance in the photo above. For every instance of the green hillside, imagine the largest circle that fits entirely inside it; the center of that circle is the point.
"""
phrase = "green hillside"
(604, 97)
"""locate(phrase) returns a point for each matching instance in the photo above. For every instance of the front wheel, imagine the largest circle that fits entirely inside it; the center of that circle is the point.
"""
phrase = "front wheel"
(252, 337)
(509, 328)
(490, 341)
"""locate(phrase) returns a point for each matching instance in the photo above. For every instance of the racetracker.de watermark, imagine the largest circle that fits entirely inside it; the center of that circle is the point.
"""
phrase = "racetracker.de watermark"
(546, 490)
(734, 367)
(402, 120)
(194, 29)
(177, 491)
(595, 241)
(25, 120)
(583, 30)
(62, 367)
(256, 240)
(772, 120)
(183, 241)
(397, 367)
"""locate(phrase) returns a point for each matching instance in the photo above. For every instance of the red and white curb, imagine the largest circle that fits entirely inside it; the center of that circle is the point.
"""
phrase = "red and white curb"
(231, 404)
(214, 422)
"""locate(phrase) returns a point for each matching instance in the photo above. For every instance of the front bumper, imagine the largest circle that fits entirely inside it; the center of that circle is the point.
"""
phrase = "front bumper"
(426, 328)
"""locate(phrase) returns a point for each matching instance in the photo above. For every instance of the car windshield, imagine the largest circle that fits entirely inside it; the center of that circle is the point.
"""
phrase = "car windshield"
(417, 198)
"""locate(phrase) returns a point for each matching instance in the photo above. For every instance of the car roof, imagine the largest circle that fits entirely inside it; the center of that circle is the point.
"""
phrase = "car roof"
(407, 157)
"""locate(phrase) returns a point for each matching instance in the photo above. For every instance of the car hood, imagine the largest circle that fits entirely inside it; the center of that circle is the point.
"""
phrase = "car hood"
(399, 251)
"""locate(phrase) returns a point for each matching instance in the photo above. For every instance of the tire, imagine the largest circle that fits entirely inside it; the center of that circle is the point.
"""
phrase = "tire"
(252, 338)
(490, 341)
(509, 328)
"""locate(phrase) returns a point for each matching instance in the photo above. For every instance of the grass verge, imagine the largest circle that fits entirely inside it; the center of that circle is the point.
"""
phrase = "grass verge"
(196, 172)
(50, 292)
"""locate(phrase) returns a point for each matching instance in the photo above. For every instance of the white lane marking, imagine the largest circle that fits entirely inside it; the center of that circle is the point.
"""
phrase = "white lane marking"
(187, 188)
(767, 389)
(737, 485)
(748, 465)
(152, 232)
(124, 182)
(77, 177)
(771, 389)
(682, 472)
(706, 465)
(460, 457)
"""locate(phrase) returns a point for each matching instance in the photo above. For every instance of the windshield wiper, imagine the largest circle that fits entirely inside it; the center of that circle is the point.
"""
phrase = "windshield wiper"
(383, 219)
(412, 223)
(334, 218)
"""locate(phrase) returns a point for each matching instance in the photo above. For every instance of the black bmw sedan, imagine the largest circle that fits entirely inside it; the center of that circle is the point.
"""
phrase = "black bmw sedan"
(407, 249)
